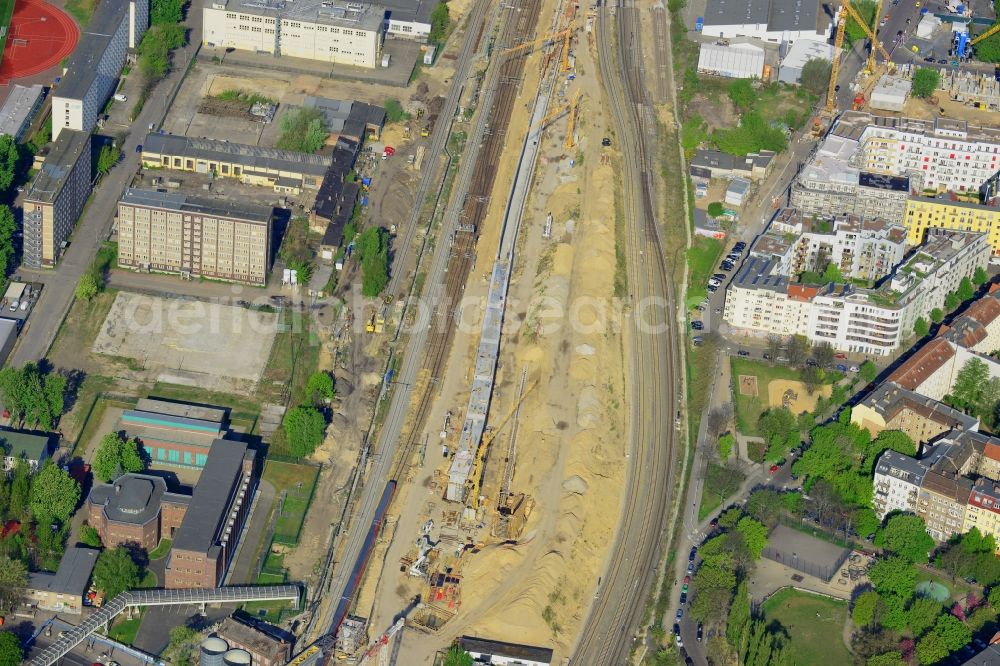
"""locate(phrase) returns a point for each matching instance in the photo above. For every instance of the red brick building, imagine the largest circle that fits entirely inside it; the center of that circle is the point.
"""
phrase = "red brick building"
(135, 510)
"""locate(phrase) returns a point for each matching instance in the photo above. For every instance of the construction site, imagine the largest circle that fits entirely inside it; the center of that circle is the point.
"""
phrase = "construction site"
(510, 469)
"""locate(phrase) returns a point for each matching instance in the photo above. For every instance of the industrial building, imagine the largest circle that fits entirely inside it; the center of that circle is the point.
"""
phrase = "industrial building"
(19, 446)
(173, 433)
(194, 236)
(19, 110)
(944, 212)
(55, 198)
(801, 52)
(135, 510)
(286, 171)
(267, 645)
(735, 61)
(326, 30)
(487, 651)
(337, 196)
(349, 119)
(92, 70)
(65, 590)
(206, 541)
(708, 164)
(774, 21)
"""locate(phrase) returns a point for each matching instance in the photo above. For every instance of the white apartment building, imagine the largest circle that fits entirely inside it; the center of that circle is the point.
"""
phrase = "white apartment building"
(896, 483)
(93, 68)
(952, 155)
(761, 301)
(326, 30)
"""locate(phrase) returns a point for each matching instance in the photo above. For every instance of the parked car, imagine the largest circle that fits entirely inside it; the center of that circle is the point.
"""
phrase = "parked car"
(684, 598)
(699, 308)
(854, 368)
(811, 362)
(605, 142)
(138, 149)
(693, 554)
(680, 613)
(743, 352)
(690, 568)
(841, 367)
(701, 631)
(712, 288)
(696, 341)
(773, 469)
(697, 325)
(120, 97)
(840, 355)
(13, 306)
(687, 579)
(719, 276)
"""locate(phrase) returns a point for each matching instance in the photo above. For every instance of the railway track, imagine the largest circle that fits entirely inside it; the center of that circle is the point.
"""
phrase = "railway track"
(608, 635)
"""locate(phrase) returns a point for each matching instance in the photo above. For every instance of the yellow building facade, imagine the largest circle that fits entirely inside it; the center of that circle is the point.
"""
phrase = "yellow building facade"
(923, 213)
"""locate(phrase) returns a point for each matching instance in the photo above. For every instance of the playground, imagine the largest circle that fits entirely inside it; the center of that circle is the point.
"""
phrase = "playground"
(36, 39)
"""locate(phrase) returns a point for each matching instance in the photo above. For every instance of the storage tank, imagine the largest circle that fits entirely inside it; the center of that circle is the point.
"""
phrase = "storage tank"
(212, 650)
(236, 657)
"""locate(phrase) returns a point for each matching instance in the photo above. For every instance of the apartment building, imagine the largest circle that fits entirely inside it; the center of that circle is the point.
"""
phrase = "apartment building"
(942, 212)
(761, 301)
(190, 235)
(831, 183)
(93, 68)
(983, 510)
(861, 249)
(891, 407)
(896, 483)
(347, 33)
(285, 171)
(941, 503)
(55, 198)
(952, 155)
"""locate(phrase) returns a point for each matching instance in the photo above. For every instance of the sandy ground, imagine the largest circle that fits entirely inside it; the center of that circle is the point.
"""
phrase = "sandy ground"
(570, 446)
(799, 400)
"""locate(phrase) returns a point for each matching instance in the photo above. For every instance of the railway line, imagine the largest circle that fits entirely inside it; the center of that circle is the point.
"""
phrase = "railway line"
(607, 636)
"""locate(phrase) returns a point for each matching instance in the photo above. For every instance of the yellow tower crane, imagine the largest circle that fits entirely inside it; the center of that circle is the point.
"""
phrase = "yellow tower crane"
(870, 67)
(569, 106)
(541, 42)
(848, 11)
(989, 33)
(475, 482)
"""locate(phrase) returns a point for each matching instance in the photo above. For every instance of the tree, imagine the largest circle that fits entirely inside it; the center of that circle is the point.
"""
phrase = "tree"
(896, 440)
(937, 314)
(303, 130)
(108, 158)
(166, 12)
(921, 328)
(863, 614)
(457, 657)
(931, 649)
(754, 535)
(815, 76)
(893, 575)
(716, 209)
(953, 632)
(20, 490)
(9, 157)
(980, 277)
(116, 572)
(13, 580)
(319, 388)
(965, 291)
(970, 381)
(54, 388)
(894, 658)
(868, 372)
(373, 247)
(922, 614)
(865, 521)
(905, 535)
(951, 301)
(726, 444)
(775, 424)
(90, 537)
(11, 652)
(797, 350)
(24, 395)
(773, 347)
(824, 354)
(304, 427)
(440, 19)
(116, 456)
(87, 287)
(7, 229)
(742, 95)
(891, 612)
(832, 273)
(925, 82)
(739, 614)
(54, 494)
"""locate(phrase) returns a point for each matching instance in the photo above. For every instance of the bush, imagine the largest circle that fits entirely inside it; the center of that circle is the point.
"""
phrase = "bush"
(440, 20)
(394, 111)
(373, 247)
(753, 134)
(303, 130)
(716, 209)
(816, 76)
(925, 82)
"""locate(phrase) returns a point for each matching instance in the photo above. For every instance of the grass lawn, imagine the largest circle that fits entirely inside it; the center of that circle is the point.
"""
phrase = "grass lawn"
(124, 630)
(298, 482)
(703, 256)
(91, 407)
(814, 625)
(6, 12)
(161, 549)
(720, 483)
(749, 408)
(80, 327)
(81, 10)
(148, 581)
(294, 357)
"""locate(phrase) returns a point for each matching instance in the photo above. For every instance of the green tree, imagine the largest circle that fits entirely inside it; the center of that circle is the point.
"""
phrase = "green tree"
(970, 381)
(54, 494)
(87, 287)
(11, 652)
(373, 247)
(303, 130)
(739, 615)
(865, 521)
(440, 19)
(906, 535)
(832, 273)
(108, 158)
(925, 82)
(894, 658)
(7, 229)
(20, 490)
(863, 613)
(931, 649)
(716, 209)
(937, 314)
(953, 631)
(90, 537)
(754, 535)
(775, 424)
(320, 388)
(980, 277)
(893, 576)
(13, 581)
(951, 301)
(816, 76)
(896, 440)
(922, 614)
(965, 291)
(868, 371)
(891, 612)
(166, 12)
(24, 395)
(116, 572)
(304, 428)
(742, 94)
(116, 456)
(54, 389)
(9, 157)
(726, 444)
(457, 657)
(979, 618)
(921, 328)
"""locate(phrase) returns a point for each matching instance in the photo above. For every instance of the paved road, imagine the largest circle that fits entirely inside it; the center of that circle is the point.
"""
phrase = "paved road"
(384, 450)
(95, 224)
(655, 449)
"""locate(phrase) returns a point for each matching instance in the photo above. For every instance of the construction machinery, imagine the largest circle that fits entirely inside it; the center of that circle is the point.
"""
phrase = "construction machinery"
(475, 481)
(541, 42)
(848, 11)
(570, 107)
(376, 321)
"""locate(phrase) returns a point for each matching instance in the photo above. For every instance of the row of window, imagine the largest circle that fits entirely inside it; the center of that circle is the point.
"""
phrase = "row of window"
(173, 456)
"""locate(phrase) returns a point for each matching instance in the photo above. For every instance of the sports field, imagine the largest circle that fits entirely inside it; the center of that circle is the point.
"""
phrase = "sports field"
(37, 36)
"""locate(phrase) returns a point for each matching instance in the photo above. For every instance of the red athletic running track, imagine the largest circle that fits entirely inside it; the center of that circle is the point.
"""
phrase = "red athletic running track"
(49, 35)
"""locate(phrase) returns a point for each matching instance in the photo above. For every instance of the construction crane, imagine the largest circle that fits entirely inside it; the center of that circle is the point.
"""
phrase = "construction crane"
(568, 38)
(547, 40)
(569, 106)
(847, 10)
(475, 480)
(989, 33)
(870, 67)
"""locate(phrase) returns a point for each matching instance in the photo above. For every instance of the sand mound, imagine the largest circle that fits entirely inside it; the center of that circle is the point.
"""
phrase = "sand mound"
(588, 408)
(575, 485)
